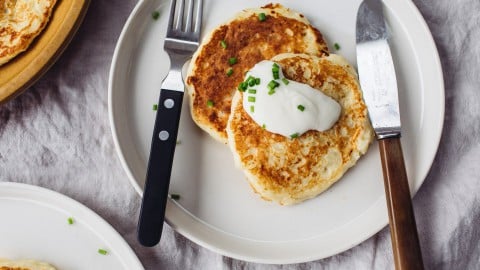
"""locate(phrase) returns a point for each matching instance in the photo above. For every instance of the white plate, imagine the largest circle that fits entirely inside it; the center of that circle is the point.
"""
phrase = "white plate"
(217, 208)
(34, 225)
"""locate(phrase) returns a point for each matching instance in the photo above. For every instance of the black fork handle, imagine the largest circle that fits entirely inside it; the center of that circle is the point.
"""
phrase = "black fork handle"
(162, 149)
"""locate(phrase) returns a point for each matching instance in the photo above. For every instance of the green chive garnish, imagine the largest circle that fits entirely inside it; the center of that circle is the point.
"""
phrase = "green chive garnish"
(252, 91)
(251, 99)
(70, 220)
(102, 251)
(155, 107)
(175, 197)
(294, 135)
(272, 85)
(276, 71)
(285, 81)
(242, 87)
(252, 109)
(262, 17)
(264, 126)
(155, 15)
(301, 108)
(257, 81)
(210, 103)
(229, 72)
(337, 47)
(223, 44)
(271, 92)
(232, 60)
(276, 75)
(250, 81)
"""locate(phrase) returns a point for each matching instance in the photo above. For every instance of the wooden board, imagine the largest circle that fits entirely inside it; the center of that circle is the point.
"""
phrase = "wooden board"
(22, 71)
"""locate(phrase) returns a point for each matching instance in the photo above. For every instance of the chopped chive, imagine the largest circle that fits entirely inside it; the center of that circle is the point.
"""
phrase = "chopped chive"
(242, 87)
(252, 91)
(250, 81)
(155, 15)
(232, 60)
(223, 44)
(102, 251)
(285, 81)
(210, 103)
(294, 135)
(262, 17)
(276, 75)
(70, 220)
(257, 81)
(229, 72)
(264, 126)
(276, 71)
(271, 92)
(337, 47)
(251, 99)
(155, 107)
(175, 196)
(252, 109)
(272, 85)
(301, 108)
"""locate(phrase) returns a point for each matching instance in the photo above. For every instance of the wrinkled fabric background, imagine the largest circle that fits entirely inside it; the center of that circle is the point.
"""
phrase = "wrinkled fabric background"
(57, 135)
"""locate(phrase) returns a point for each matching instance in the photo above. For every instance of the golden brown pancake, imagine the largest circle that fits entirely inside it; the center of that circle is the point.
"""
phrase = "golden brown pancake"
(249, 40)
(288, 170)
(24, 265)
(20, 22)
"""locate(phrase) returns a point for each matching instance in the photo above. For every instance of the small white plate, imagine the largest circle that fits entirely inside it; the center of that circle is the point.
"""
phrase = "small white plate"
(217, 208)
(34, 225)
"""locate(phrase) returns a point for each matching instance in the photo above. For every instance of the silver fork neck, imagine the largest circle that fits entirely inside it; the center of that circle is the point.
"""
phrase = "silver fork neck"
(174, 80)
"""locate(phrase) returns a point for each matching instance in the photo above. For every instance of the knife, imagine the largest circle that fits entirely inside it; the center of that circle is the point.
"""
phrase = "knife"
(377, 79)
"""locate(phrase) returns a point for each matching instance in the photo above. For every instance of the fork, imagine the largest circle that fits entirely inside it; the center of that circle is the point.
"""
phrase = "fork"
(182, 39)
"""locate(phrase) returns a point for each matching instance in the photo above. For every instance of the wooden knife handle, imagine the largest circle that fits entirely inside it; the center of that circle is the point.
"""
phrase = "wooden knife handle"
(406, 247)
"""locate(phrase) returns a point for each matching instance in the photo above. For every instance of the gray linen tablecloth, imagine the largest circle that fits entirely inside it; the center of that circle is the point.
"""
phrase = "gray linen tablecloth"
(57, 135)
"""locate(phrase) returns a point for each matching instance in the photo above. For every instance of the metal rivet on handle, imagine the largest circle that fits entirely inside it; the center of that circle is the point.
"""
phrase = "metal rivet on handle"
(163, 135)
(168, 103)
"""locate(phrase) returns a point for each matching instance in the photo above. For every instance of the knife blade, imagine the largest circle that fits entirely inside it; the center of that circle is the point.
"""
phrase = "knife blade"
(379, 85)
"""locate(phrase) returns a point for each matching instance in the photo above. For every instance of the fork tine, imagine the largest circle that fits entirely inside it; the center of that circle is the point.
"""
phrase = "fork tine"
(172, 13)
(188, 23)
(198, 19)
(179, 24)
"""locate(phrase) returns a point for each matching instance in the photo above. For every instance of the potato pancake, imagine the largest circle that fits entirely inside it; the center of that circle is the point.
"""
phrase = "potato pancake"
(232, 48)
(21, 21)
(288, 170)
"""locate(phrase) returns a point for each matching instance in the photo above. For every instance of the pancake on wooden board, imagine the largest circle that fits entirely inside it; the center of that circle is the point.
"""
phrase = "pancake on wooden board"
(20, 22)
(24, 265)
(287, 170)
(249, 40)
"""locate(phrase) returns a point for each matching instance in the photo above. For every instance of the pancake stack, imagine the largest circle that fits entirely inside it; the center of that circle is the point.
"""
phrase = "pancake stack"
(279, 169)
(6, 264)
(21, 21)
(248, 40)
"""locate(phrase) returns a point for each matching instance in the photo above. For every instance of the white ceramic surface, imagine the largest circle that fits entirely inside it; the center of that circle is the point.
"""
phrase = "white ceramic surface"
(34, 225)
(217, 208)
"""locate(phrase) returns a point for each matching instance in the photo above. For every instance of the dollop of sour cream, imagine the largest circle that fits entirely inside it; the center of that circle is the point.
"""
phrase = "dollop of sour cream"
(286, 107)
